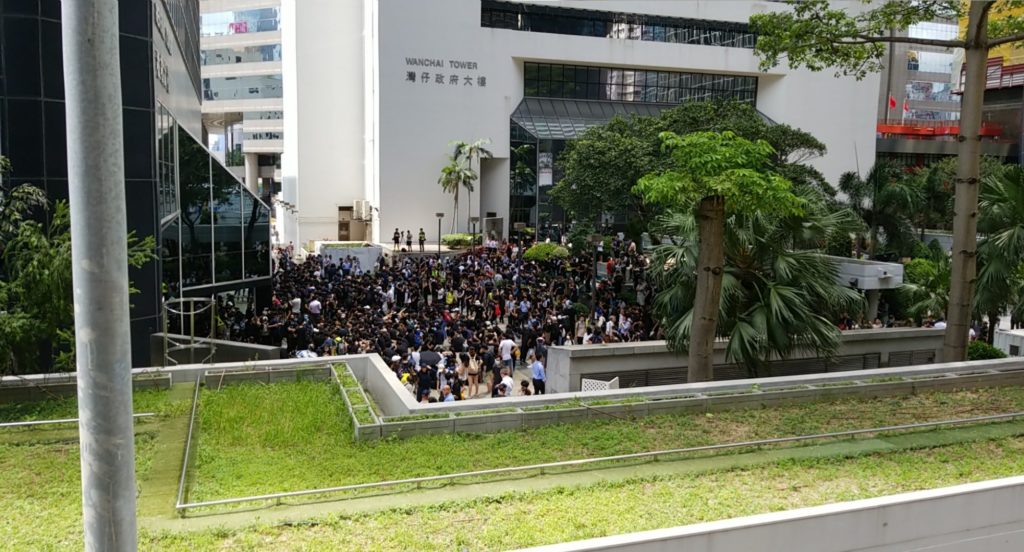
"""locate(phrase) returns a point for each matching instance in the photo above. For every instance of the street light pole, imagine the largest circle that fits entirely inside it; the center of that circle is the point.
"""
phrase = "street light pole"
(99, 252)
(439, 216)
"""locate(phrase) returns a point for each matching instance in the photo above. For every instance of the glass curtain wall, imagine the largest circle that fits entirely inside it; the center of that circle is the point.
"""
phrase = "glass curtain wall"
(578, 82)
(219, 233)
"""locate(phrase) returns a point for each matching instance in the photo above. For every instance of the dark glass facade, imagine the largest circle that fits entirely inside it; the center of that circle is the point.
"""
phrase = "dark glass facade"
(580, 82)
(604, 24)
(33, 136)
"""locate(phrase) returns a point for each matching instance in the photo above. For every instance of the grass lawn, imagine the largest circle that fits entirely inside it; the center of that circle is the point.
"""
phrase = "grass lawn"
(40, 490)
(517, 520)
(147, 400)
(258, 439)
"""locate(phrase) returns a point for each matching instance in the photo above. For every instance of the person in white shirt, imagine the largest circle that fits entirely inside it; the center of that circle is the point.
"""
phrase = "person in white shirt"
(940, 325)
(296, 304)
(505, 347)
(314, 307)
(507, 381)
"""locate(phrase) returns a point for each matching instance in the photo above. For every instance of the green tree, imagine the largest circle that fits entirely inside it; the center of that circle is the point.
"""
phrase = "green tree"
(36, 303)
(925, 288)
(16, 204)
(780, 295)
(603, 165)
(886, 199)
(817, 35)
(471, 153)
(715, 172)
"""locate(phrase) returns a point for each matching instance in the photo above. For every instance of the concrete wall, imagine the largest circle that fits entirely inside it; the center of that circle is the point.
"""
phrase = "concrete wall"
(225, 351)
(567, 365)
(977, 517)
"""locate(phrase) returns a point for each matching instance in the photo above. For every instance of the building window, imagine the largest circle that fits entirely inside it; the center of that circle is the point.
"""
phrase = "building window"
(931, 91)
(1014, 350)
(248, 54)
(166, 174)
(929, 62)
(241, 88)
(628, 26)
(241, 22)
(577, 82)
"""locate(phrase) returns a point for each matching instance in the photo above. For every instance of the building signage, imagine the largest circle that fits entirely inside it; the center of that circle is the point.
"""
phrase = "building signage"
(160, 68)
(443, 72)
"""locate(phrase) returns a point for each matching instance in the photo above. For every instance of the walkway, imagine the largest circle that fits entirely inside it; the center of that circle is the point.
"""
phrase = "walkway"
(540, 482)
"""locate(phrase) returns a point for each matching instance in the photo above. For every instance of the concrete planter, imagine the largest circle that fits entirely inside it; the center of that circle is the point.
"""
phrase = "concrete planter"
(488, 423)
(417, 427)
(673, 406)
(367, 432)
(630, 410)
(539, 418)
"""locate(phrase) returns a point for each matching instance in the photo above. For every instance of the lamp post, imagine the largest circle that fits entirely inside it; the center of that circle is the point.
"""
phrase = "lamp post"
(473, 221)
(594, 240)
(92, 83)
(439, 217)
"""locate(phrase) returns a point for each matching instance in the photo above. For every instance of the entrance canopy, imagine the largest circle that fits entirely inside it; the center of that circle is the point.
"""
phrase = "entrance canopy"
(562, 119)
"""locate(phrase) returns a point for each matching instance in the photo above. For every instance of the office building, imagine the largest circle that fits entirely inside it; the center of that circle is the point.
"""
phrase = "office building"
(240, 55)
(213, 235)
(387, 85)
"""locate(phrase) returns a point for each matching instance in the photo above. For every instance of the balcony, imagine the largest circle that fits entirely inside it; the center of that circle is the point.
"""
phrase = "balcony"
(263, 146)
(251, 69)
(241, 105)
(240, 40)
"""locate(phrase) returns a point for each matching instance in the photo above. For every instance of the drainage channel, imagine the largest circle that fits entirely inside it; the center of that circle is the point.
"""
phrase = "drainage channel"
(183, 507)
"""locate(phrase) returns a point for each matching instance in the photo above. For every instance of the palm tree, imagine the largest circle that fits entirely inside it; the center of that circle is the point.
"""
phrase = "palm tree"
(471, 153)
(886, 199)
(454, 175)
(926, 286)
(1001, 250)
(779, 293)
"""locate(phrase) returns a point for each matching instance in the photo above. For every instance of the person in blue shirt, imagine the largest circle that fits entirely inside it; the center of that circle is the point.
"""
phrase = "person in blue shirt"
(446, 393)
(538, 375)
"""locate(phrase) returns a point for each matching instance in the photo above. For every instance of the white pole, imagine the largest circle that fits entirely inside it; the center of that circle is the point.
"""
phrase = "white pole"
(92, 84)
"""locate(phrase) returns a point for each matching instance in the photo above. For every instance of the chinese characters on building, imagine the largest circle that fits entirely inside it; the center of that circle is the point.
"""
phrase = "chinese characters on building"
(441, 72)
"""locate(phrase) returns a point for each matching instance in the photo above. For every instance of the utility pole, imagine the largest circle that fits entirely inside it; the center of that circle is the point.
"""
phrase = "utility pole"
(99, 251)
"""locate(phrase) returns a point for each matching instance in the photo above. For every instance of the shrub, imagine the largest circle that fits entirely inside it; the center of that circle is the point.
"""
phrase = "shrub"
(545, 252)
(460, 240)
(979, 350)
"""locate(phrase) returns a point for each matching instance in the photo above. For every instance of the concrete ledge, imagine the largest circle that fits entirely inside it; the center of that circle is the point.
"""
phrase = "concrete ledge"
(215, 379)
(975, 517)
(35, 392)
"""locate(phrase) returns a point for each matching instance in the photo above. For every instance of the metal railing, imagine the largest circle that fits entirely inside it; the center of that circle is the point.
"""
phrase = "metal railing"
(188, 445)
(61, 421)
(181, 508)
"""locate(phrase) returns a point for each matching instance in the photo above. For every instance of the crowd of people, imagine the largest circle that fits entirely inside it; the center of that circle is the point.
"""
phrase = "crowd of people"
(453, 327)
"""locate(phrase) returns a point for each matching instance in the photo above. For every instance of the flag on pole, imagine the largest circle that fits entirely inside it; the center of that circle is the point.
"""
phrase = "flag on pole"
(892, 101)
(906, 109)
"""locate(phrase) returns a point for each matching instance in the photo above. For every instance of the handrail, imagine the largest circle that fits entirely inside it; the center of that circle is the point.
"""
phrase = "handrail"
(653, 454)
(188, 445)
(61, 421)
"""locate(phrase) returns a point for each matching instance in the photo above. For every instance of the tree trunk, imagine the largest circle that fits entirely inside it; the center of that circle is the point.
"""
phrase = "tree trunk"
(993, 324)
(710, 261)
(965, 204)
(455, 213)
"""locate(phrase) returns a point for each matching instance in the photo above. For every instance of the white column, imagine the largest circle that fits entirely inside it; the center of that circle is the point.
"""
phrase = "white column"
(252, 173)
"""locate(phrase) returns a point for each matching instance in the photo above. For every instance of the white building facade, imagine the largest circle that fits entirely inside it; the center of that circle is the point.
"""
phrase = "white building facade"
(386, 86)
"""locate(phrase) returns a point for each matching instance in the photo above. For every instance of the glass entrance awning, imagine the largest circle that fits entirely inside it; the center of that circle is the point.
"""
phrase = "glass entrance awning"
(563, 119)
